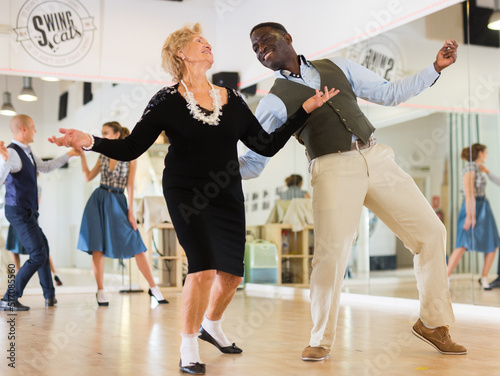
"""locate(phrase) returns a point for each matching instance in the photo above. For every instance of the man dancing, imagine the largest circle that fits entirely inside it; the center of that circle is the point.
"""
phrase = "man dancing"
(349, 170)
(18, 168)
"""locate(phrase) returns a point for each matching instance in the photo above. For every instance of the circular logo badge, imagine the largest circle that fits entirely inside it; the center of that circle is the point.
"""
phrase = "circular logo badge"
(55, 33)
(379, 54)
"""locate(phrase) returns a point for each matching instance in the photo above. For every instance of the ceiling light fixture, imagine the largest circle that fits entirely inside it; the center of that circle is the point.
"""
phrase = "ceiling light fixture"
(494, 22)
(27, 93)
(7, 107)
(50, 79)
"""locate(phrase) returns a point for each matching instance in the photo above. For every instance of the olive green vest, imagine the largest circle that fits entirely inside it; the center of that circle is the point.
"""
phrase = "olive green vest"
(329, 129)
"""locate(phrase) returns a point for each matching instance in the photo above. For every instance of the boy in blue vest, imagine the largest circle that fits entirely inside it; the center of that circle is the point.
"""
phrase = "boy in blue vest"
(18, 169)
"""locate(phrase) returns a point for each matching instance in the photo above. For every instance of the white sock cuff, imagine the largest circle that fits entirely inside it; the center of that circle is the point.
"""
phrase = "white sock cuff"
(429, 327)
(189, 336)
(214, 321)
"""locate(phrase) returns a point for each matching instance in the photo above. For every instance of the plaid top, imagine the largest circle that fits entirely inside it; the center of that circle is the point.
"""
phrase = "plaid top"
(480, 181)
(117, 178)
(292, 192)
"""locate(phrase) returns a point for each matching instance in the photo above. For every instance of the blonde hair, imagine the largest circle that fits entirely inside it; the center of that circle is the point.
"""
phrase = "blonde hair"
(174, 43)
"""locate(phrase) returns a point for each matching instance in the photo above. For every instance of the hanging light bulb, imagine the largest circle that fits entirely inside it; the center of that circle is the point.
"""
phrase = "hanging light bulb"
(50, 78)
(27, 93)
(7, 107)
(494, 22)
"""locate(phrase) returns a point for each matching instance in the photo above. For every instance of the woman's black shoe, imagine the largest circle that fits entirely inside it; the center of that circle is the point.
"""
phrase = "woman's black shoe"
(495, 283)
(164, 301)
(101, 304)
(233, 349)
(487, 287)
(58, 281)
(194, 369)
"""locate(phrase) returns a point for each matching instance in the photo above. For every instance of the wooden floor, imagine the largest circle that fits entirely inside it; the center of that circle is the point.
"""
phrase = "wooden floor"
(131, 337)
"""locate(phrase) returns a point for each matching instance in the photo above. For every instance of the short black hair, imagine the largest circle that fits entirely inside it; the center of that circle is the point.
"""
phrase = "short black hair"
(273, 25)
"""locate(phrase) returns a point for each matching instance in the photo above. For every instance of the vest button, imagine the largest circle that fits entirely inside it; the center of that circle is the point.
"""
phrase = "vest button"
(344, 120)
(349, 129)
(337, 109)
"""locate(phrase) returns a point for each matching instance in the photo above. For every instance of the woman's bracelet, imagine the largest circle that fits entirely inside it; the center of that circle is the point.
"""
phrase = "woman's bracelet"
(87, 148)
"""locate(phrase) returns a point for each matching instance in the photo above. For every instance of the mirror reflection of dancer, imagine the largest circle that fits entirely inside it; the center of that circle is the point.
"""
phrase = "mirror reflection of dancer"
(294, 185)
(18, 168)
(203, 123)
(476, 226)
(496, 180)
(350, 170)
(108, 227)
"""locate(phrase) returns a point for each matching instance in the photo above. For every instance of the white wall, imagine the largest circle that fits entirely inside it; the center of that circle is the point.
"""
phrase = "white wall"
(129, 33)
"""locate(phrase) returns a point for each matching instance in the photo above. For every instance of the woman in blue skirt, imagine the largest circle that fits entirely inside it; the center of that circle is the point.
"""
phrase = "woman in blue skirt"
(476, 227)
(109, 227)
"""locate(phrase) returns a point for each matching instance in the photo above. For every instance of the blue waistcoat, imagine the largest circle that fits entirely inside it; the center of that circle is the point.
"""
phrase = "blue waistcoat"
(21, 188)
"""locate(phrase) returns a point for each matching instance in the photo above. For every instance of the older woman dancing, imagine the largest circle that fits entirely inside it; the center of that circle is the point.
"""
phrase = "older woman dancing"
(201, 179)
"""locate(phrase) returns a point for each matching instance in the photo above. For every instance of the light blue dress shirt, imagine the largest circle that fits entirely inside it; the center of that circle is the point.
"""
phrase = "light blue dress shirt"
(271, 111)
(14, 163)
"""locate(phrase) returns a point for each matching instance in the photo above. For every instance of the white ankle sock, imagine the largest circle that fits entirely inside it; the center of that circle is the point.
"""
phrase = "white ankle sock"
(101, 296)
(214, 328)
(429, 327)
(157, 293)
(189, 349)
(484, 282)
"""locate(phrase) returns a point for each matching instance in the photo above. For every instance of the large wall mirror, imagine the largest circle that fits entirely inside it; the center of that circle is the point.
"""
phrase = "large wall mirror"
(427, 134)
(64, 191)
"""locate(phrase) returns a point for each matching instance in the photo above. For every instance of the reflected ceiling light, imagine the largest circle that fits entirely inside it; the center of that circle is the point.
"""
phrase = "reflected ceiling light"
(50, 79)
(494, 22)
(27, 93)
(7, 107)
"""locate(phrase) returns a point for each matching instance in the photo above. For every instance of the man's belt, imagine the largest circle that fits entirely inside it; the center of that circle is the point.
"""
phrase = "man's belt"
(359, 144)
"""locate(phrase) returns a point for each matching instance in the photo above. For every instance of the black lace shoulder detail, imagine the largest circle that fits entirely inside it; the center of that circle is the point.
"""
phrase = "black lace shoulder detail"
(239, 96)
(159, 97)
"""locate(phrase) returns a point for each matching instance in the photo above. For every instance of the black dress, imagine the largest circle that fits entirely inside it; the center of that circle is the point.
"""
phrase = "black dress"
(201, 179)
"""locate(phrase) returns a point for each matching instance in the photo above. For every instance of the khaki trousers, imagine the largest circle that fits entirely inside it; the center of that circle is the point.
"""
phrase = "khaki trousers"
(342, 184)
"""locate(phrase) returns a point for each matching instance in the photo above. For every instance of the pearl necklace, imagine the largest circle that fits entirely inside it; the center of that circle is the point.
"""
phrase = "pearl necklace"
(192, 105)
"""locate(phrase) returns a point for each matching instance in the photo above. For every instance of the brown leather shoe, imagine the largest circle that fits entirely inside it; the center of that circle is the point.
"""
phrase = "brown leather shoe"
(314, 353)
(438, 338)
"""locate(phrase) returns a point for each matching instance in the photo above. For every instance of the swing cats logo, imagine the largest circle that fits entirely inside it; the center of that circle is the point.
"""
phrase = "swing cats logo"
(55, 33)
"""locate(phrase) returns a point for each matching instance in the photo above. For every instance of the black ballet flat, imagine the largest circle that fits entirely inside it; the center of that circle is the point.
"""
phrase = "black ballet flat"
(195, 369)
(484, 288)
(58, 281)
(163, 301)
(101, 304)
(233, 349)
